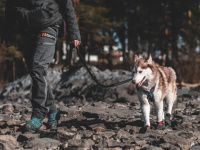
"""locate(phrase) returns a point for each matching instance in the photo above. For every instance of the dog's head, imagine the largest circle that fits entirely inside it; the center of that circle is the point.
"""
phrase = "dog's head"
(141, 70)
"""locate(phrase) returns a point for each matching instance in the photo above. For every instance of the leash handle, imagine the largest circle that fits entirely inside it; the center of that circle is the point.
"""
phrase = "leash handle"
(72, 46)
(94, 78)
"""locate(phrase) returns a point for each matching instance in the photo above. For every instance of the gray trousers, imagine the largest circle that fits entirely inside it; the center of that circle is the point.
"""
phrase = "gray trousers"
(38, 51)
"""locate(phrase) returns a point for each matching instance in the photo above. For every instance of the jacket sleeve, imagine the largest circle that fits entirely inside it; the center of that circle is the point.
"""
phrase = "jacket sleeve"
(67, 10)
(10, 19)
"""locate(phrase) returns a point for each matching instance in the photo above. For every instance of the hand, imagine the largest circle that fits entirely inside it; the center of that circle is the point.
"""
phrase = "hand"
(6, 43)
(76, 43)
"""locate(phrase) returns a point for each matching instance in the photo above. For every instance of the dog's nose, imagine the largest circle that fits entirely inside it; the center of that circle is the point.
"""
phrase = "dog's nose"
(133, 81)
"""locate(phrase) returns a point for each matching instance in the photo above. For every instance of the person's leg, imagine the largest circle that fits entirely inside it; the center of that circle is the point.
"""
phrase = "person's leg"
(42, 47)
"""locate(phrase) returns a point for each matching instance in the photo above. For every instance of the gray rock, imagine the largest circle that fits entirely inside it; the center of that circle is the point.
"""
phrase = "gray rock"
(123, 134)
(26, 136)
(5, 130)
(169, 146)
(153, 148)
(60, 135)
(92, 117)
(42, 143)
(87, 144)
(174, 139)
(6, 146)
(107, 134)
(195, 147)
(132, 129)
(140, 143)
(9, 139)
(114, 143)
(183, 90)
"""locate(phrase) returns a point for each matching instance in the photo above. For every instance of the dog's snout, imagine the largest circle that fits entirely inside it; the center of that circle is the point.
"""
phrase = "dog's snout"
(133, 81)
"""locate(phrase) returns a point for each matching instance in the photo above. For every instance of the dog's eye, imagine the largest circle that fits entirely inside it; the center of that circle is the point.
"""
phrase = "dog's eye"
(140, 71)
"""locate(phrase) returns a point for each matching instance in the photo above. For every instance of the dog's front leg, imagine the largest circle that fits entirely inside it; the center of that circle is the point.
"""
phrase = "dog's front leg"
(146, 112)
(145, 106)
(159, 108)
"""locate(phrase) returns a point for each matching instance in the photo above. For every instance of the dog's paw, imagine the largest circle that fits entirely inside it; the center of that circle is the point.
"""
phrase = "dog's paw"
(161, 125)
(144, 129)
(167, 119)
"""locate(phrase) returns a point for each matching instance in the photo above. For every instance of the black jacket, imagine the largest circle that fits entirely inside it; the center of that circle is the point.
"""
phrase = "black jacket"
(34, 15)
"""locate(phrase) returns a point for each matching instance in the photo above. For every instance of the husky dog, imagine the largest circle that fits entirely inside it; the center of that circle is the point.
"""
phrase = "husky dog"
(154, 83)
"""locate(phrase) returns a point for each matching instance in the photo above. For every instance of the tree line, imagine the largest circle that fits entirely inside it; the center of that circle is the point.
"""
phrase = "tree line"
(167, 29)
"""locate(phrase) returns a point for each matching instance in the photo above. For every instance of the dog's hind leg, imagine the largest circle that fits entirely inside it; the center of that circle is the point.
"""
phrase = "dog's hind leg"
(170, 99)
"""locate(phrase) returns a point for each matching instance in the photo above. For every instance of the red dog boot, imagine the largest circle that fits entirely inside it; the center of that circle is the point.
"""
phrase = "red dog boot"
(159, 125)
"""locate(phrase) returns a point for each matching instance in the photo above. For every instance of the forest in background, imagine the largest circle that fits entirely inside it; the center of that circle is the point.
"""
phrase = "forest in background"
(167, 29)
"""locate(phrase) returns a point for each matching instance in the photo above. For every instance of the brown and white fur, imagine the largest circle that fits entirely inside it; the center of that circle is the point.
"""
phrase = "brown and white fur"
(146, 74)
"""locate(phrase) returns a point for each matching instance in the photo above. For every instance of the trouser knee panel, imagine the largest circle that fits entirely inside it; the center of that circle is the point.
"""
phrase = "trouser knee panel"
(37, 70)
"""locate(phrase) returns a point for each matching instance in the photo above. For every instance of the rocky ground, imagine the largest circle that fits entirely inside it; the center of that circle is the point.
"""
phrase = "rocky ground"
(95, 118)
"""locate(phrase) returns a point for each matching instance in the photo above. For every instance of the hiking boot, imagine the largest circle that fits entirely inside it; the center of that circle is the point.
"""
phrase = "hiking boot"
(33, 125)
(52, 121)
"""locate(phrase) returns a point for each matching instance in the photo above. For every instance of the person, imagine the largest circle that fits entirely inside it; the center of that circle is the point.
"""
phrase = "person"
(40, 23)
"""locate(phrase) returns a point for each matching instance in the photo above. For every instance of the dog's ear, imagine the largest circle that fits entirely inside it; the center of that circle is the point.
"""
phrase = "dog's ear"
(149, 60)
(136, 58)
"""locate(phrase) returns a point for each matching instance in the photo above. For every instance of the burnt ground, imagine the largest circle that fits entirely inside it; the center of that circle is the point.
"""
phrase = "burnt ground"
(95, 118)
